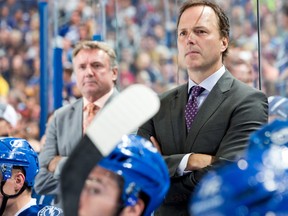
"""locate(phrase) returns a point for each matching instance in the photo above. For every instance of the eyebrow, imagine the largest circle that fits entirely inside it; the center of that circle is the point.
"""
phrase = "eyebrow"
(93, 180)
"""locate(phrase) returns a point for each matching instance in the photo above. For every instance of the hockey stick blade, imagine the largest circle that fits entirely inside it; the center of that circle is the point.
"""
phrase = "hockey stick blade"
(123, 115)
(133, 107)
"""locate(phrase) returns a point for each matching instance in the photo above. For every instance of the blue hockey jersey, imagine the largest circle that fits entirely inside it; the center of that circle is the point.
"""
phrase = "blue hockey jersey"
(42, 210)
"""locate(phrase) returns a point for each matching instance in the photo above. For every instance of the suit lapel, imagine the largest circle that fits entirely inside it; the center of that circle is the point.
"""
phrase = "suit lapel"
(115, 93)
(177, 106)
(209, 107)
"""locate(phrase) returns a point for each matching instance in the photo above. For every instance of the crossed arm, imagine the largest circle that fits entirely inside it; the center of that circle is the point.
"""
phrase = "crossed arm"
(195, 161)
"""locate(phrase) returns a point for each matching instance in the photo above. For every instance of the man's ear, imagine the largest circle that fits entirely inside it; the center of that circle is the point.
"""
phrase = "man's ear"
(19, 178)
(135, 210)
(115, 74)
(225, 43)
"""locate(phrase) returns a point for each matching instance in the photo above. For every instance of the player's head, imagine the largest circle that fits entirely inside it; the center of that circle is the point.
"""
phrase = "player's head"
(140, 174)
(245, 188)
(18, 166)
(255, 185)
(273, 134)
(17, 153)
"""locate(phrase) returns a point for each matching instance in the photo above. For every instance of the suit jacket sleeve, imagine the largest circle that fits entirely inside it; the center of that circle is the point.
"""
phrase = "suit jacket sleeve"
(45, 183)
(62, 135)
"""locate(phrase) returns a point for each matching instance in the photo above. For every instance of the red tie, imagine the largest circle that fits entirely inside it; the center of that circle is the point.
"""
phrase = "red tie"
(91, 112)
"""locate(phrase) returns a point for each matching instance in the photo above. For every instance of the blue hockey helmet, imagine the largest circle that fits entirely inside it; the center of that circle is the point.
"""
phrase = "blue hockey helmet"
(272, 134)
(143, 170)
(248, 187)
(17, 152)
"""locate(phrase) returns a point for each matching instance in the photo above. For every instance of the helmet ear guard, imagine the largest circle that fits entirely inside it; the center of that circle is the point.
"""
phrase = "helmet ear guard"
(131, 194)
(6, 170)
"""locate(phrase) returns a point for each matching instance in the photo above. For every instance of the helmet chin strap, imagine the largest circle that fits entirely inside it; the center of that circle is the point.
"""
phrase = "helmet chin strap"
(6, 196)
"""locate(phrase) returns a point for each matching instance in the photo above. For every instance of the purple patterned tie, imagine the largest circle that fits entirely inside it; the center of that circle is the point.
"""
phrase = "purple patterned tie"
(191, 108)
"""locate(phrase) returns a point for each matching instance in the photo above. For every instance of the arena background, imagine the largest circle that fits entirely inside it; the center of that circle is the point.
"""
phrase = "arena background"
(37, 38)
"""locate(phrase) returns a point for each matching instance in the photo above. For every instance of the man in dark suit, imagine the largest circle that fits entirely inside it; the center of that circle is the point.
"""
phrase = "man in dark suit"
(228, 110)
(96, 70)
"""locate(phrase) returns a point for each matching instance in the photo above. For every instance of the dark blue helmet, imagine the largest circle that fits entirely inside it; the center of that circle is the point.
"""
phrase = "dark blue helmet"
(255, 185)
(273, 134)
(143, 170)
(18, 152)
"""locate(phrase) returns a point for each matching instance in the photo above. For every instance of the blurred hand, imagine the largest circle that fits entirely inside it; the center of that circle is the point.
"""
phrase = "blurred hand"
(53, 163)
(199, 161)
(155, 143)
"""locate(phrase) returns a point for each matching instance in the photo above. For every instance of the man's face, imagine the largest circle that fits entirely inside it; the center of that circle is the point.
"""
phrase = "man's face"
(100, 195)
(244, 73)
(199, 42)
(95, 76)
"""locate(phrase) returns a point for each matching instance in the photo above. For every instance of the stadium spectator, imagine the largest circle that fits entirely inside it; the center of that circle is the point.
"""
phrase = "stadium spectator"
(8, 120)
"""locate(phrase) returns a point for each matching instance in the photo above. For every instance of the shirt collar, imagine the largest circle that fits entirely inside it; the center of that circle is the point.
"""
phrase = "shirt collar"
(101, 101)
(210, 81)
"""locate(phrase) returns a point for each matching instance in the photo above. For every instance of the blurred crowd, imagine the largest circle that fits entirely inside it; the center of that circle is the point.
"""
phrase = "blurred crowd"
(143, 34)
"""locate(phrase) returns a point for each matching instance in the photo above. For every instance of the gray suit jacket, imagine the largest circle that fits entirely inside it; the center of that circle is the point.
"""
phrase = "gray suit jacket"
(231, 111)
(63, 134)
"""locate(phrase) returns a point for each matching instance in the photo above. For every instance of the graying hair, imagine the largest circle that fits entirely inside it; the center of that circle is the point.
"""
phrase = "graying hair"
(97, 45)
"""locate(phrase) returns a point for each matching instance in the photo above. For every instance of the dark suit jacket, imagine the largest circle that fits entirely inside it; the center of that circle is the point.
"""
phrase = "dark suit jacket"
(63, 134)
(231, 111)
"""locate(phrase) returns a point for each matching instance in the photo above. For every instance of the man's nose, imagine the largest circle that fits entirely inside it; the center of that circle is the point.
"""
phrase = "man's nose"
(89, 71)
(191, 38)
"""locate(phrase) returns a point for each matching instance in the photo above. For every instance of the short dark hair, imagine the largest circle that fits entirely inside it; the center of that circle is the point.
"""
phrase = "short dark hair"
(223, 20)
